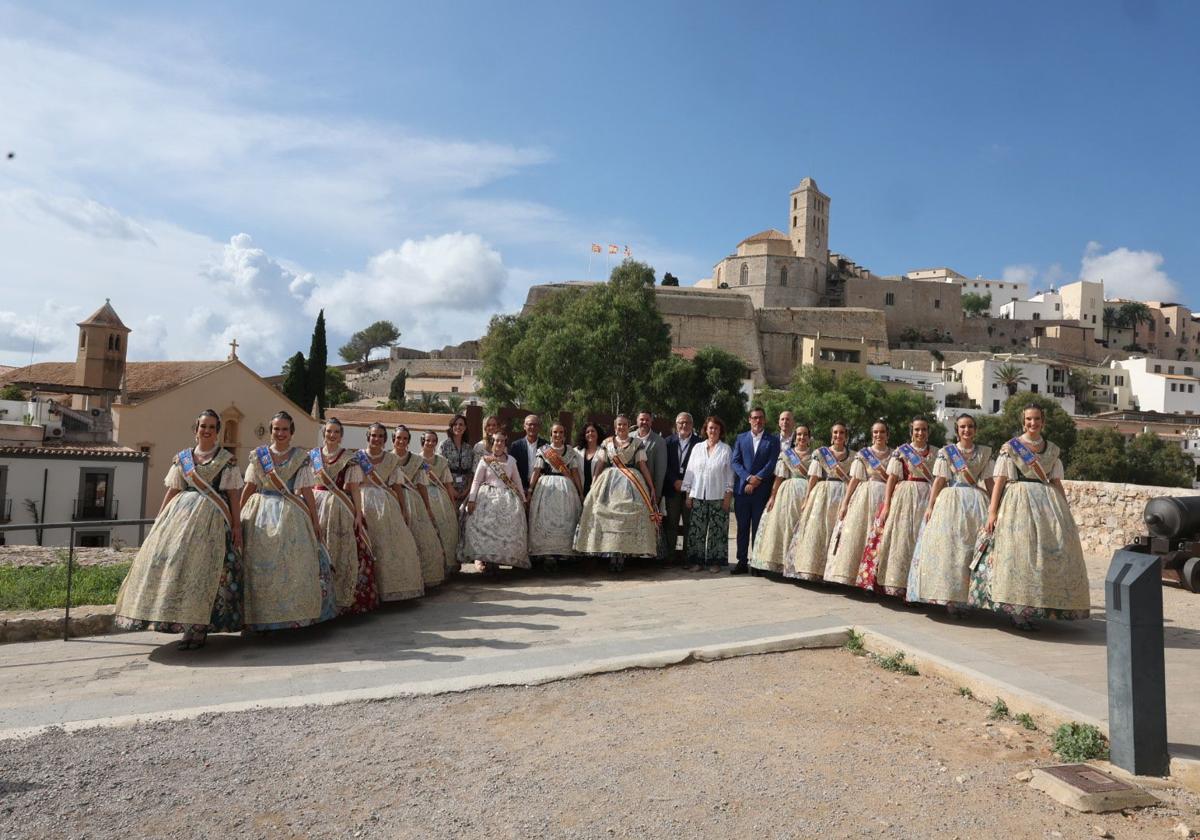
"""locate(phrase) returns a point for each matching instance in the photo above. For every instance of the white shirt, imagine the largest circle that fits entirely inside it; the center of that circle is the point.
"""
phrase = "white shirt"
(533, 451)
(756, 439)
(709, 474)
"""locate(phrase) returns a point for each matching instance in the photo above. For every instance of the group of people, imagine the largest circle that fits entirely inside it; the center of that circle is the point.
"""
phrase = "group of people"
(303, 536)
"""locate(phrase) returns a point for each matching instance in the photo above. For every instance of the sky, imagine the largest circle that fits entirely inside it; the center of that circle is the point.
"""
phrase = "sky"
(226, 170)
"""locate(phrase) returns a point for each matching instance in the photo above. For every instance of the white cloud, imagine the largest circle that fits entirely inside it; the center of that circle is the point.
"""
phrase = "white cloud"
(1126, 273)
(1023, 273)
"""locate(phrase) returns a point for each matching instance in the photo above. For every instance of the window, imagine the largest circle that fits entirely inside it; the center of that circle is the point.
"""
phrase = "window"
(744, 275)
(1093, 319)
(995, 405)
(95, 494)
(1119, 380)
(1187, 371)
(795, 204)
(1172, 387)
(844, 356)
(116, 342)
(1033, 388)
(92, 539)
(794, 221)
(937, 303)
(1191, 389)
(110, 342)
(1104, 379)
(783, 276)
(889, 299)
(1037, 316)
(82, 339)
(5, 502)
(1171, 369)
(1158, 368)
(1057, 308)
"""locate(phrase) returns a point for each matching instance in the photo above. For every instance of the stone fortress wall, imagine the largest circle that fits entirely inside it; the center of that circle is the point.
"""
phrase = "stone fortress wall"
(1109, 516)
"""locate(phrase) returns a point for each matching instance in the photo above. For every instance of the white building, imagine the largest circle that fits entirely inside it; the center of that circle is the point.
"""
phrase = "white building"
(1002, 291)
(1162, 385)
(932, 384)
(78, 483)
(1083, 301)
(1044, 306)
(982, 384)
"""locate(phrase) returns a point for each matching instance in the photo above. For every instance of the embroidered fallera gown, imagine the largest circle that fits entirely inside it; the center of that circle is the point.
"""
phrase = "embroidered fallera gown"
(555, 506)
(397, 565)
(496, 532)
(777, 525)
(186, 577)
(845, 552)
(429, 542)
(445, 514)
(616, 521)
(1035, 568)
(349, 547)
(288, 579)
(805, 556)
(888, 555)
(941, 563)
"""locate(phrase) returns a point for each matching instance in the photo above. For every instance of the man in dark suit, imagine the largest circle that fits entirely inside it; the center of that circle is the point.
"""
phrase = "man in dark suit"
(679, 451)
(525, 450)
(754, 456)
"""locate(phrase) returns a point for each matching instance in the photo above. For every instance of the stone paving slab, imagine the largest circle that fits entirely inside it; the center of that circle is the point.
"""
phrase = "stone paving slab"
(473, 634)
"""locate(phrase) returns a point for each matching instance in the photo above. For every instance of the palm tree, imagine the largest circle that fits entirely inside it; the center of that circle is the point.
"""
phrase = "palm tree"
(455, 402)
(1133, 313)
(1111, 319)
(1010, 376)
(427, 403)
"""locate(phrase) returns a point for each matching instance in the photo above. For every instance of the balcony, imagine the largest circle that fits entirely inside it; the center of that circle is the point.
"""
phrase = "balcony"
(85, 509)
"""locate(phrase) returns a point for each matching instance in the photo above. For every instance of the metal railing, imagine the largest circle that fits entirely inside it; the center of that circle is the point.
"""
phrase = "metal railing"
(88, 525)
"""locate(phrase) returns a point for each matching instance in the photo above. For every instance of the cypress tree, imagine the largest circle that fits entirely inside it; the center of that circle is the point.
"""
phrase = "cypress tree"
(318, 358)
(295, 380)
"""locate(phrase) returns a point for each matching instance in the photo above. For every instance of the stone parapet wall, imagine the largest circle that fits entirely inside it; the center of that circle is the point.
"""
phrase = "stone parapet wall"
(1110, 515)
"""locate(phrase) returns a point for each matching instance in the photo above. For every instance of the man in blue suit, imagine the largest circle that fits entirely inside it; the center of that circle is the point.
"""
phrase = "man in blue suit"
(754, 456)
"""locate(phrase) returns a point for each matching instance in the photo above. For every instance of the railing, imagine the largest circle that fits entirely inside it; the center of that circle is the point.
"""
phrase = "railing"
(54, 526)
(80, 510)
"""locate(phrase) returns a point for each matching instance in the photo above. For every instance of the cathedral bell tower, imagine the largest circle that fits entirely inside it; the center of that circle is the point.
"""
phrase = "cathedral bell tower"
(809, 214)
(100, 359)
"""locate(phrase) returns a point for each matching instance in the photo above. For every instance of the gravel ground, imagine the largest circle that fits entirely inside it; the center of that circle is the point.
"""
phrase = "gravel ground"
(812, 743)
(37, 555)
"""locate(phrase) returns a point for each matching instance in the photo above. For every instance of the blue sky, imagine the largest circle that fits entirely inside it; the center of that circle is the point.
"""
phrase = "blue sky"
(224, 170)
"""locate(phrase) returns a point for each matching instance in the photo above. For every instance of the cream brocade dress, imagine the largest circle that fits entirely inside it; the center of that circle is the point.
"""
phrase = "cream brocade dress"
(397, 565)
(842, 566)
(941, 563)
(338, 524)
(898, 538)
(1035, 568)
(287, 571)
(776, 527)
(554, 507)
(445, 514)
(496, 532)
(615, 520)
(805, 557)
(186, 575)
(429, 542)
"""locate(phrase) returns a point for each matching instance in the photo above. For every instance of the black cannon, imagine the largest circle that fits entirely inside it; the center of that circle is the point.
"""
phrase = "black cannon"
(1174, 526)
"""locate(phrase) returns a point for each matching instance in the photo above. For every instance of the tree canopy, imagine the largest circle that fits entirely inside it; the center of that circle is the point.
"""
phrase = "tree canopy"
(318, 357)
(398, 385)
(1104, 455)
(995, 429)
(584, 350)
(976, 305)
(337, 391)
(709, 383)
(367, 340)
(818, 399)
(295, 380)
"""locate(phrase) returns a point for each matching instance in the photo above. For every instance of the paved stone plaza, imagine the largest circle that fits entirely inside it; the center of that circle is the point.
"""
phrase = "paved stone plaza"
(529, 628)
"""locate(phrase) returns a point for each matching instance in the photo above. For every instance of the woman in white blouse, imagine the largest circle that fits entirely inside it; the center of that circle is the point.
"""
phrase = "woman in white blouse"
(494, 534)
(708, 486)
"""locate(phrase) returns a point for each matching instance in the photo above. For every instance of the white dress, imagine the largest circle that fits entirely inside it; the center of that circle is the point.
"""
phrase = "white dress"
(554, 507)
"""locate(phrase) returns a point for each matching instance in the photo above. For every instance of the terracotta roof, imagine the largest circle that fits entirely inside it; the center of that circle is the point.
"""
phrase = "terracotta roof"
(77, 450)
(688, 353)
(142, 379)
(769, 233)
(105, 316)
(367, 416)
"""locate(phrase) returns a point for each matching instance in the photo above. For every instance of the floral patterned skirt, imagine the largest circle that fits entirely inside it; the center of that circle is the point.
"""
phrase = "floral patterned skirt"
(777, 525)
(941, 563)
(846, 548)
(805, 557)
(888, 553)
(553, 517)
(287, 572)
(1035, 568)
(495, 532)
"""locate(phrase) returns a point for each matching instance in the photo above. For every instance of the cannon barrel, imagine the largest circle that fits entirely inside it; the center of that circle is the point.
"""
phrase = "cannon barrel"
(1173, 516)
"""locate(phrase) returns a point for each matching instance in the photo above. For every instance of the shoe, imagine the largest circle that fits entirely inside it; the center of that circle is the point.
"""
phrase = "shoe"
(714, 570)
(739, 569)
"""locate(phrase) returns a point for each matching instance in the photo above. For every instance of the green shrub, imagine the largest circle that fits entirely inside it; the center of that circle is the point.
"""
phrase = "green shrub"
(999, 710)
(1079, 742)
(854, 642)
(963, 691)
(896, 663)
(1026, 720)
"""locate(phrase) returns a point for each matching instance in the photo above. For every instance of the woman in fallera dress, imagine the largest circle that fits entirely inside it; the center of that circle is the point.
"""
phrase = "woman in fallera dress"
(589, 447)
(187, 576)
(787, 499)
(494, 534)
(337, 477)
(288, 576)
(397, 564)
(827, 477)
(957, 511)
(555, 500)
(1035, 567)
(420, 514)
(620, 515)
(888, 554)
(440, 487)
(860, 507)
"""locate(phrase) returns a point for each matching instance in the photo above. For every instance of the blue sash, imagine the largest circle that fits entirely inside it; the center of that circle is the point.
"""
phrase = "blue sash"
(831, 462)
(958, 462)
(868, 455)
(314, 458)
(1029, 457)
(188, 465)
(915, 461)
(794, 460)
